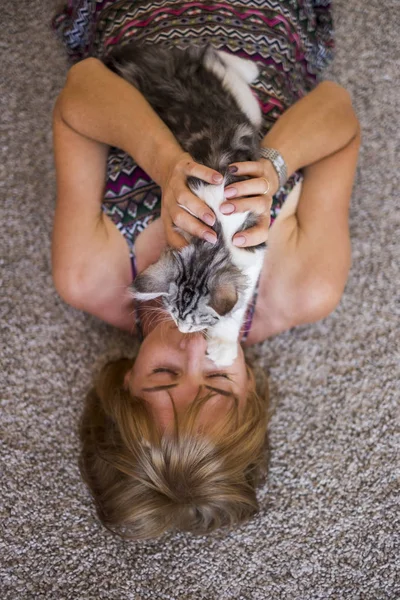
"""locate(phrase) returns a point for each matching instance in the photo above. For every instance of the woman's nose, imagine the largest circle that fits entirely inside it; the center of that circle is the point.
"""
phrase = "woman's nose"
(194, 344)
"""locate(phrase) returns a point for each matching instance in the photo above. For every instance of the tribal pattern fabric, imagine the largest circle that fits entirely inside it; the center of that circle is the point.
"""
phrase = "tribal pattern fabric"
(290, 40)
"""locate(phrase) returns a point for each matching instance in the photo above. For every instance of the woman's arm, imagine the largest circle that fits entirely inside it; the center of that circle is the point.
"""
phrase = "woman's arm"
(90, 257)
(103, 107)
(309, 251)
(91, 266)
(315, 127)
(318, 125)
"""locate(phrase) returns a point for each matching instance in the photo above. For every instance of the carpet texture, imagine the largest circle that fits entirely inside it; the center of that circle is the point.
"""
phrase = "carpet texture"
(328, 527)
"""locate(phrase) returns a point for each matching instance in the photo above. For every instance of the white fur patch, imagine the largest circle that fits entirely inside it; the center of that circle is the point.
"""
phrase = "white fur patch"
(235, 74)
(247, 69)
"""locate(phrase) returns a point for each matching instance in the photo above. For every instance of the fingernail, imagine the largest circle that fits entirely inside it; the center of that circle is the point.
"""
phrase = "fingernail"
(239, 240)
(232, 169)
(209, 237)
(217, 178)
(227, 208)
(230, 192)
(209, 219)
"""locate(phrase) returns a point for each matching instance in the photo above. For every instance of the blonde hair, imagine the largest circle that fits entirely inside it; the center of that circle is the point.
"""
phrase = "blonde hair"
(145, 482)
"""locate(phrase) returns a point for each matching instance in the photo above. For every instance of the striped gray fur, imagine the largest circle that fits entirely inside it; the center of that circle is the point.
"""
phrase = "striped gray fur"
(200, 283)
(197, 285)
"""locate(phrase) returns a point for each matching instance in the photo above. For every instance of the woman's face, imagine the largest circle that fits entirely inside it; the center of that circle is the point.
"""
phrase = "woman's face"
(170, 363)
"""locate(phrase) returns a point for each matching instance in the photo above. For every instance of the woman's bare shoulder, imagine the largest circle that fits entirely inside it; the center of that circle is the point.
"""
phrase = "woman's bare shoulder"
(149, 244)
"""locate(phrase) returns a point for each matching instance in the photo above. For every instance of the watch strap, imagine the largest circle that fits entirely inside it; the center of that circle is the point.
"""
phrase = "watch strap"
(278, 163)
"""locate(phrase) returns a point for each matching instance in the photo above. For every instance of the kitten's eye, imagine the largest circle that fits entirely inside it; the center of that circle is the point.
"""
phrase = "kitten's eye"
(164, 370)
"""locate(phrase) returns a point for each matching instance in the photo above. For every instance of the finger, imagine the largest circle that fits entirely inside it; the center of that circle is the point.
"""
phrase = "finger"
(252, 168)
(194, 169)
(250, 187)
(184, 220)
(253, 236)
(258, 204)
(197, 208)
(174, 239)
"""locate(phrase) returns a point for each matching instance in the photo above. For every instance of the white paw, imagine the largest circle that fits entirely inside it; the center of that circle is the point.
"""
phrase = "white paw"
(250, 71)
(247, 69)
(222, 352)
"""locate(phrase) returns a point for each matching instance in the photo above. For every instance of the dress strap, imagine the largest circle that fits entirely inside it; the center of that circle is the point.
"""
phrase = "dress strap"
(249, 314)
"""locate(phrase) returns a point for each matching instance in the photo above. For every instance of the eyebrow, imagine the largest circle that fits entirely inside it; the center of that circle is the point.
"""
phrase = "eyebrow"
(160, 388)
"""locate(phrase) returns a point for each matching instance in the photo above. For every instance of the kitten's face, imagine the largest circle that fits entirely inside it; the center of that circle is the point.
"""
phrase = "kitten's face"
(190, 311)
(196, 290)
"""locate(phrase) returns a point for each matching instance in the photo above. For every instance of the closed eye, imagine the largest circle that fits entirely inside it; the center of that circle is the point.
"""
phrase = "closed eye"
(172, 372)
(164, 370)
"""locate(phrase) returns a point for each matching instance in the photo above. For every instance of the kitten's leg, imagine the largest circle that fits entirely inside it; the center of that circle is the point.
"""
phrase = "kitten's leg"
(223, 342)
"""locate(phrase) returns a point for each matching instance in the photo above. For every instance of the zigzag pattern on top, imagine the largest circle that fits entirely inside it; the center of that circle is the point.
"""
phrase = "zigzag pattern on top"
(260, 46)
(151, 7)
(121, 19)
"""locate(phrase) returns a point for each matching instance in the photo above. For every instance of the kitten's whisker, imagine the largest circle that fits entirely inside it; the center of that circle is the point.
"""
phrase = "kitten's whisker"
(156, 309)
(152, 313)
(151, 319)
(156, 315)
(205, 334)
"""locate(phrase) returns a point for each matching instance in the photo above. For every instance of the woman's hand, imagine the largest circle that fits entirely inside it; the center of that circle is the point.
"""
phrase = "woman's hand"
(183, 209)
(253, 194)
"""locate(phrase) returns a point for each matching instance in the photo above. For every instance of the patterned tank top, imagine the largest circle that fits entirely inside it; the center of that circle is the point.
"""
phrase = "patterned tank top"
(291, 41)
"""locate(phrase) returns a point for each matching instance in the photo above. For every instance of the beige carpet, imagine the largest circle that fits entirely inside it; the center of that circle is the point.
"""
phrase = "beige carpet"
(329, 520)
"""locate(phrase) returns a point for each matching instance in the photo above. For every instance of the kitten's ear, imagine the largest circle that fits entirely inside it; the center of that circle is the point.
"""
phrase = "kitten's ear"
(225, 288)
(223, 296)
(154, 281)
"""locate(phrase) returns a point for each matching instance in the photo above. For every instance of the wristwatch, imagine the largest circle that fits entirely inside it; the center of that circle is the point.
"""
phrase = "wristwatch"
(278, 162)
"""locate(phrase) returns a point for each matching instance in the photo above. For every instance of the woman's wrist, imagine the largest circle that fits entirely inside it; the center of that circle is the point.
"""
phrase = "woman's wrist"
(164, 153)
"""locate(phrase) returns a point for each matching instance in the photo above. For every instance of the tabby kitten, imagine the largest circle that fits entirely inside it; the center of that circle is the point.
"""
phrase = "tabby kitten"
(204, 98)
